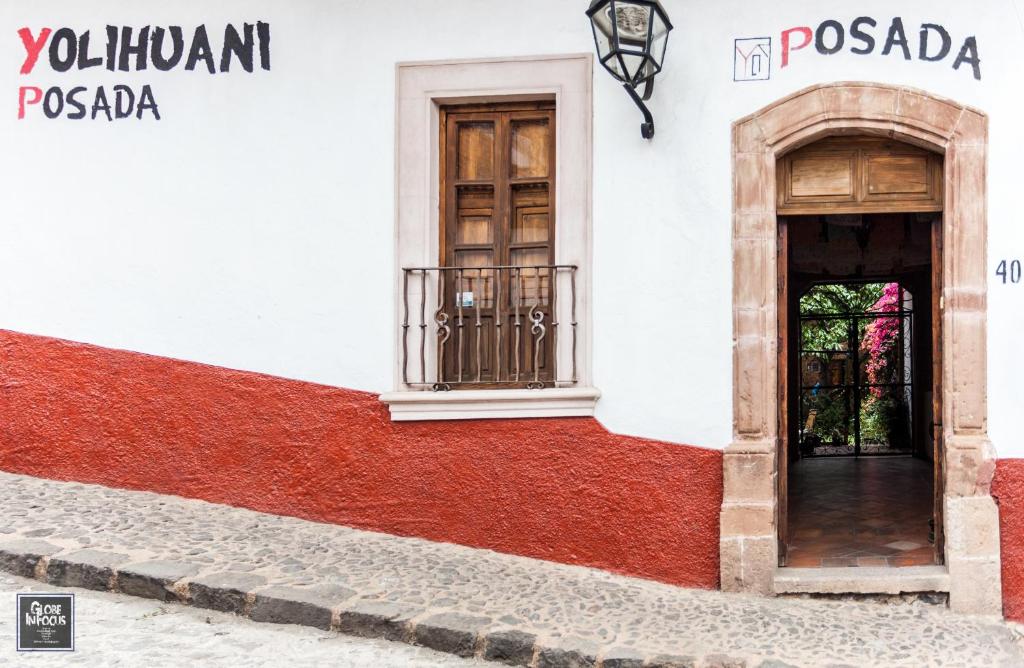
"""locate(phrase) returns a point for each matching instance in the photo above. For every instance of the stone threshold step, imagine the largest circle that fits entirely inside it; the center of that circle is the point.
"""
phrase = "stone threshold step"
(862, 580)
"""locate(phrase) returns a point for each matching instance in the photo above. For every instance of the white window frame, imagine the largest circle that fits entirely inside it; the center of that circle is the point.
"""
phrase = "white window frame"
(421, 89)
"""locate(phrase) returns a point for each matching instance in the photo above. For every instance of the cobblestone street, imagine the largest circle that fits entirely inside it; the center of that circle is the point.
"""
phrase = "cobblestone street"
(115, 630)
(451, 598)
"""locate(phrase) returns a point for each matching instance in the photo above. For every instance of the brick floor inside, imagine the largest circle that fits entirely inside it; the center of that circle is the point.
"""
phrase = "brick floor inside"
(870, 511)
(452, 598)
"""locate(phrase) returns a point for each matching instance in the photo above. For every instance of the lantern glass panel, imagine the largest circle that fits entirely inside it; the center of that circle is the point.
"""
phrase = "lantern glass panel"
(602, 20)
(648, 70)
(633, 21)
(602, 35)
(659, 39)
(615, 66)
(633, 65)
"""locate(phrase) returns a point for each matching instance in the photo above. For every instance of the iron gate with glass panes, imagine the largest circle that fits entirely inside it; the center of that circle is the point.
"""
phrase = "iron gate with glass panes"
(856, 370)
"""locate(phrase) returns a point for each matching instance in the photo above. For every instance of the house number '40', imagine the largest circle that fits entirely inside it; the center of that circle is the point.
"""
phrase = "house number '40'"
(1009, 271)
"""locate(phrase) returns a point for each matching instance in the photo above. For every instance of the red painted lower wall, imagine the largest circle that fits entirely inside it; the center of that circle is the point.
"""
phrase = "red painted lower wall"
(559, 489)
(1008, 489)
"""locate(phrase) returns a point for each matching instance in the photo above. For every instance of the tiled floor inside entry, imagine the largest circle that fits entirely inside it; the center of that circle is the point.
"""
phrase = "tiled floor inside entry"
(872, 511)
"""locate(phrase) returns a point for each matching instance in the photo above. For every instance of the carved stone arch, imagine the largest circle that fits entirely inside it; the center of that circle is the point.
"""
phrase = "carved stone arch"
(749, 549)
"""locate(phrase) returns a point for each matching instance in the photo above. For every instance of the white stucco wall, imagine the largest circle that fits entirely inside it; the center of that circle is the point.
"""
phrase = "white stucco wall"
(252, 227)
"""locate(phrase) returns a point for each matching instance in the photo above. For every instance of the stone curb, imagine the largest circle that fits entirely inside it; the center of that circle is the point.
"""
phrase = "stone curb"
(24, 557)
(330, 608)
(291, 605)
(377, 619)
(226, 592)
(154, 579)
(88, 569)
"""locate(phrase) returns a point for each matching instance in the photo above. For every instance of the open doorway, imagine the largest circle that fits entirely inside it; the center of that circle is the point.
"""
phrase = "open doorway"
(798, 157)
(862, 480)
(859, 327)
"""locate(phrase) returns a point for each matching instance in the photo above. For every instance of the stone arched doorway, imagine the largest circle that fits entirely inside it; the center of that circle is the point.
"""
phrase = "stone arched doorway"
(750, 509)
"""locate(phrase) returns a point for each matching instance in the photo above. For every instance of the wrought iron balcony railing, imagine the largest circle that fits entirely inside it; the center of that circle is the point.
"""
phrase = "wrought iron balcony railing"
(488, 327)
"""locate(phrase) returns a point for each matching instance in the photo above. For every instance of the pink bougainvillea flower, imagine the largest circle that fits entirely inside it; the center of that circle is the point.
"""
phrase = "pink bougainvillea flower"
(881, 337)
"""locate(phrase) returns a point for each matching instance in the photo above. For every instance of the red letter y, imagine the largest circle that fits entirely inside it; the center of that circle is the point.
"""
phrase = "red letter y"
(32, 47)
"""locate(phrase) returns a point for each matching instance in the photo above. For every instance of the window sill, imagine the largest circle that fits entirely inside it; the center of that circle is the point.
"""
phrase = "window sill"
(486, 404)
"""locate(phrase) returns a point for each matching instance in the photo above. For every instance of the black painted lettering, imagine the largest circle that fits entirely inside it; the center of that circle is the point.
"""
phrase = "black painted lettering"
(897, 37)
(838, 39)
(233, 44)
(84, 61)
(263, 33)
(969, 54)
(859, 35)
(72, 102)
(146, 101)
(946, 42)
(111, 47)
(139, 50)
(200, 50)
(100, 104)
(65, 36)
(157, 46)
(124, 101)
(57, 94)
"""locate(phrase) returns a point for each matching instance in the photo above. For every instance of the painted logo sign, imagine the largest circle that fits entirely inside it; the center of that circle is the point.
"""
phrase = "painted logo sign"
(129, 50)
(865, 36)
(752, 59)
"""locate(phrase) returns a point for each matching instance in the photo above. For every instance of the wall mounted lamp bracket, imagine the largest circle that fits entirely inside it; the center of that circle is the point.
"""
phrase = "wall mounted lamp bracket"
(647, 127)
(630, 37)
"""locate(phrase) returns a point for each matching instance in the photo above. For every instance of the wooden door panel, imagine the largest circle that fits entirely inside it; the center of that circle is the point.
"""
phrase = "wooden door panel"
(474, 227)
(938, 447)
(531, 145)
(822, 176)
(785, 396)
(475, 155)
(896, 175)
(859, 175)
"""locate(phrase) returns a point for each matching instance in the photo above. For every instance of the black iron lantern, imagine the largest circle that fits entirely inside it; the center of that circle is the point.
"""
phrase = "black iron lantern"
(631, 36)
